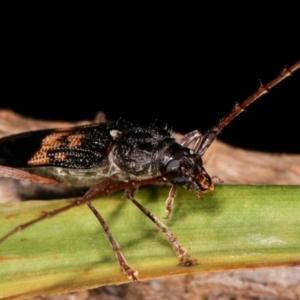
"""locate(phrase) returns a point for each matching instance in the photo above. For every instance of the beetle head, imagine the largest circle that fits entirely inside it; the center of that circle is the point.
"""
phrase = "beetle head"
(187, 167)
(193, 175)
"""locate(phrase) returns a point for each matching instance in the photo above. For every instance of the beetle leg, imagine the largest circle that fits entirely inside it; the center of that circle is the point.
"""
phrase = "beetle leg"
(131, 274)
(23, 175)
(190, 137)
(104, 187)
(101, 189)
(170, 201)
(179, 250)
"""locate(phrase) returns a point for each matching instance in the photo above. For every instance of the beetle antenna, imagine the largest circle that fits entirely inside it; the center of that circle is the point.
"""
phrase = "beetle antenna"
(212, 133)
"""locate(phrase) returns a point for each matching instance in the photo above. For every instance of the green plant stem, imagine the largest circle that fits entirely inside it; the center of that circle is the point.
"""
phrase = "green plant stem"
(234, 227)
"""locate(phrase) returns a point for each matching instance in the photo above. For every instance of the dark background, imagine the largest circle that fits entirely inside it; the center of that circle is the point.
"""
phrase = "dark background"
(184, 68)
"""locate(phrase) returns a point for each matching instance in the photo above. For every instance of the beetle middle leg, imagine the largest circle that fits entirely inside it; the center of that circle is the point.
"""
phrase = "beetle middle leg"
(179, 250)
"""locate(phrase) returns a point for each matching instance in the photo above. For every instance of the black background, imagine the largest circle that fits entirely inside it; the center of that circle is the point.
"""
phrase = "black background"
(184, 67)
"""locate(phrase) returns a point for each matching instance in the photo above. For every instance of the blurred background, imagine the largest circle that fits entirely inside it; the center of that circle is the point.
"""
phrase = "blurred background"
(183, 69)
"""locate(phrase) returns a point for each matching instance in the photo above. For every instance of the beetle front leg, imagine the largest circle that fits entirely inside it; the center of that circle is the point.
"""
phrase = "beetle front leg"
(170, 201)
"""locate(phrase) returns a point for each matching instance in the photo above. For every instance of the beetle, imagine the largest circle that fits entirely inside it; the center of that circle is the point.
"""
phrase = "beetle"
(114, 156)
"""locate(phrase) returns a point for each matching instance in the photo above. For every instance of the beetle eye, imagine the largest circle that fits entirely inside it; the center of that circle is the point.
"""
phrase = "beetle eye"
(173, 165)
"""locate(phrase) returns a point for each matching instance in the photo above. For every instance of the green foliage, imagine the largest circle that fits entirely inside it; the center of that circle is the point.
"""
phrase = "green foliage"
(234, 227)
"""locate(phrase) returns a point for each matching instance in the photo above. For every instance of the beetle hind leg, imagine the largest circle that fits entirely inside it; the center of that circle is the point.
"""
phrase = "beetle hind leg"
(23, 175)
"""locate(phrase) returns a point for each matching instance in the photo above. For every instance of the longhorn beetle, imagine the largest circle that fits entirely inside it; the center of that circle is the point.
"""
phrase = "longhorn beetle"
(117, 156)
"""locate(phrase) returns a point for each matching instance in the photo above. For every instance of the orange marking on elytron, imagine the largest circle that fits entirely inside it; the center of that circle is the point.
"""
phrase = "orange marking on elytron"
(61, 156)
(75, 140)
(40, 158)
(52, 142)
